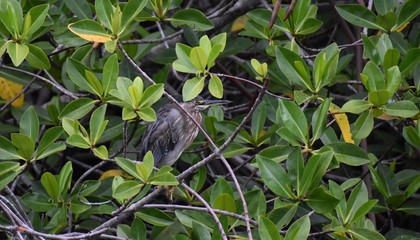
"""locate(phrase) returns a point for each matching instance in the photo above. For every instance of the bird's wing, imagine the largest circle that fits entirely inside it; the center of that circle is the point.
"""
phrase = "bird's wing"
(159, 138)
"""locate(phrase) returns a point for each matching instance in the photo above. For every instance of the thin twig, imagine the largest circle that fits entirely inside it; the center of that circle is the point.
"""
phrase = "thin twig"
(208, 207)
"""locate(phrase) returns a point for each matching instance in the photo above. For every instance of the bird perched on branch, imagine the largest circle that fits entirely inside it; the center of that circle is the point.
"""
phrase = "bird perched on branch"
(173, 131)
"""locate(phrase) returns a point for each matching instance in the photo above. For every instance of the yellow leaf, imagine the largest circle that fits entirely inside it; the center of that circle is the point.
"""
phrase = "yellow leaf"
(112, 173)
(239, 23)
(342, 121)
(9, 89)
(91, 37)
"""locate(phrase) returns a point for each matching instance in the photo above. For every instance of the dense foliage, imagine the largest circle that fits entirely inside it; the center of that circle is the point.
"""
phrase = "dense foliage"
(321, 140)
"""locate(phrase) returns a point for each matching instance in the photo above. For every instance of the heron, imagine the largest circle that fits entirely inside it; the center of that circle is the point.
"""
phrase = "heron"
(174, 131)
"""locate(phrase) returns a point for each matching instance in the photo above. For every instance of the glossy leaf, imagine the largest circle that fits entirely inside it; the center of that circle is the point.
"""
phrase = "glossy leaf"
(216, 86)
(37, 16)
(90, 30)
(192, 18)
(29, 124)
(130, 11)
(17, 52)
(77, 108)
(192, 87)
(275, 177)
(24, 144)
(349, 154)
(293, 67)
(49, 182)
(299, 229)
(37, 58)
(404, 109)
(356, 106)
(319, 120)
(110, 72)
(104, 10)
(267, 229)
(358, 15)
(294, 119)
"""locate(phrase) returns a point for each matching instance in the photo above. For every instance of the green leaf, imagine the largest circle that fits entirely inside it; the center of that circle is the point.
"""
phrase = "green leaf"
(321, 201)
(198, 58)
(97, 124)
(299, 229)
(83, 77)
(53, 148)
(79, 141)
(215, 86)
(349, 154)
(319, 120)
(110, 72)
(163, 177)
(408, 12)
(294, 119)
(364, 209)
(147, 114)
(384, 6)
(366, 234)
(8, 172)
(404, 109)
(356, 106)
(49, 182)
(29, 124)
(79, 8)
(77, 108)
(48, 138)
(24, 145)
(295, 170)
(192, 18)
(37, 57)
(364, 125)
(183, 63)
(38, 202)
(64, 178)
(267, 229)
(101, 152)
(12, 17)
(275, 177)
(277, 153)
(138, 230)
(90, 30)
(37, 16)
(409, 62)
(391, 58)
(145, 168)
(8, 150)
(154, 217)
(311, 25)
(126, 190)
(358, 15)
(357, 198)
(225, 202)
(104, 10)
(220, 187)
(293, 67)
(192, 87)
(373, 78)
(151, 95)
(128, 166)
(379, 98)
(411, 135)
(130, 11)
(17, 52)
(393, 79)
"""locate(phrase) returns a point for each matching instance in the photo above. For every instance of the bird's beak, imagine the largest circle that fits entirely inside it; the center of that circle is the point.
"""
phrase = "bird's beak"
(204, 104)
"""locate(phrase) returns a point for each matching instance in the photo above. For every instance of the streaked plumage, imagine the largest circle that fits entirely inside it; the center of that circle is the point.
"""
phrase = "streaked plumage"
(173, 131)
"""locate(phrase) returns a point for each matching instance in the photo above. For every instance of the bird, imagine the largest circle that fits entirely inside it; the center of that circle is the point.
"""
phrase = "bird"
(174, 131)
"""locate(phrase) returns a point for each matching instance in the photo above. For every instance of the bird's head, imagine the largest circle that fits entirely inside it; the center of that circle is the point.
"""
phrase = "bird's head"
(201, 104)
